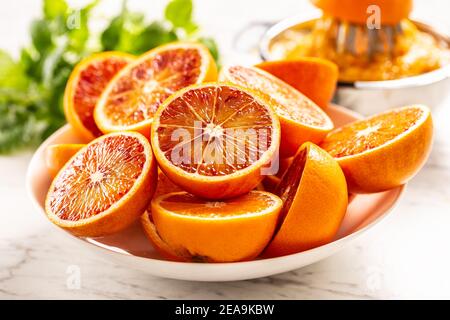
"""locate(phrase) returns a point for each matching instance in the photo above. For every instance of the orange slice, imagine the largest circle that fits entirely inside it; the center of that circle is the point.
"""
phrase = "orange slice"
(57, 155)
(314, 193)
(133, 96)
(85, 85)
(383, 151)
(301, 119)
(215, 140)
(219, 231)
(105, 187)
(316, 78)
(391, 11)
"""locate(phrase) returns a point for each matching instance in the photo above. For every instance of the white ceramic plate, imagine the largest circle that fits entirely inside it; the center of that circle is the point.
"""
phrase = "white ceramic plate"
(131, 247)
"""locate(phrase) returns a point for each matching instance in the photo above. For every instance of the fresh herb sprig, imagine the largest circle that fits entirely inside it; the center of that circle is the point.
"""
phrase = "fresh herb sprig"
(32, 88)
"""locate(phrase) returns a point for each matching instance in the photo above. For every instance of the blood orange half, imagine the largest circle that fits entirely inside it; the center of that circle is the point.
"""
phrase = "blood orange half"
(383, 151)
(184, 227)
(133, 96)
(104, 187)
(215, 140)
(85, 85)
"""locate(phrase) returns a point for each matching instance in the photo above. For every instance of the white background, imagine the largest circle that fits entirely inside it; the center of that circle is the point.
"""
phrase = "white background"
(406, 256)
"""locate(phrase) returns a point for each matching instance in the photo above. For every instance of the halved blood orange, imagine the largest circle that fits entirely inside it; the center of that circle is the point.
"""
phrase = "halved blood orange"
(85, 85)
(133, 96)
(215, 140)
(315, 199)
(383, 151)
(301, 119)
(57, 155)
(213, 231)
(104, 187)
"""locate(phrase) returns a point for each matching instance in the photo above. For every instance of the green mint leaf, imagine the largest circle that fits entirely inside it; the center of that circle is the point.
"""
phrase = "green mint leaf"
(110, 37)
(21, 126)
(133, 25)
(51, 62)
(179, 13)
(54, 8)
(191, 28)
(153, 35)
(12, 74)
(123, 31)
(41, 35)
(211, 44)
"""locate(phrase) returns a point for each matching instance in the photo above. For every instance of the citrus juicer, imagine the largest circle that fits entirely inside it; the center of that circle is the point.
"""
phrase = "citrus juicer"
(364, 28)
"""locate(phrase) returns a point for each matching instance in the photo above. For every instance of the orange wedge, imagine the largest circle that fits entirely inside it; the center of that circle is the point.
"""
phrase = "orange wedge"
(133, 96)
(215, 140)
(316, 78)
(57, 155)
(85, 85)
(383, 151)
(301, 119)
(219, 231)
(391, 11)
(314, 194)
(104, 187)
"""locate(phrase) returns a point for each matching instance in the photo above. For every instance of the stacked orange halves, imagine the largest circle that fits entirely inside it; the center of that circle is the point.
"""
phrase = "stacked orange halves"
(171, 141)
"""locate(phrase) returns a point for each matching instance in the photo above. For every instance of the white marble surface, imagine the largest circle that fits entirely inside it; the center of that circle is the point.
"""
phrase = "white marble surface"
(406, 256)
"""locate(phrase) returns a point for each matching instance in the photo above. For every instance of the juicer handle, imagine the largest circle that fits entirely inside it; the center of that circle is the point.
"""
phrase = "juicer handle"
(247, 39)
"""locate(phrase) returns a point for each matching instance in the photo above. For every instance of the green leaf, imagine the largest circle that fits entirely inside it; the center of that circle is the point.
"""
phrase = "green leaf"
(123, 31)
(12, 74)
(54, 8)
(211, 44)
(21, 126)
(110, 37)
(191, 28)
(133, 25)
(152, 36)
(41, 36)
(179, 13)
(51, 62)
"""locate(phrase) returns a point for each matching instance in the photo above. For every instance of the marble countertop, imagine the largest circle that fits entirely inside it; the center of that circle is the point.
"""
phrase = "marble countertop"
(405, 256)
